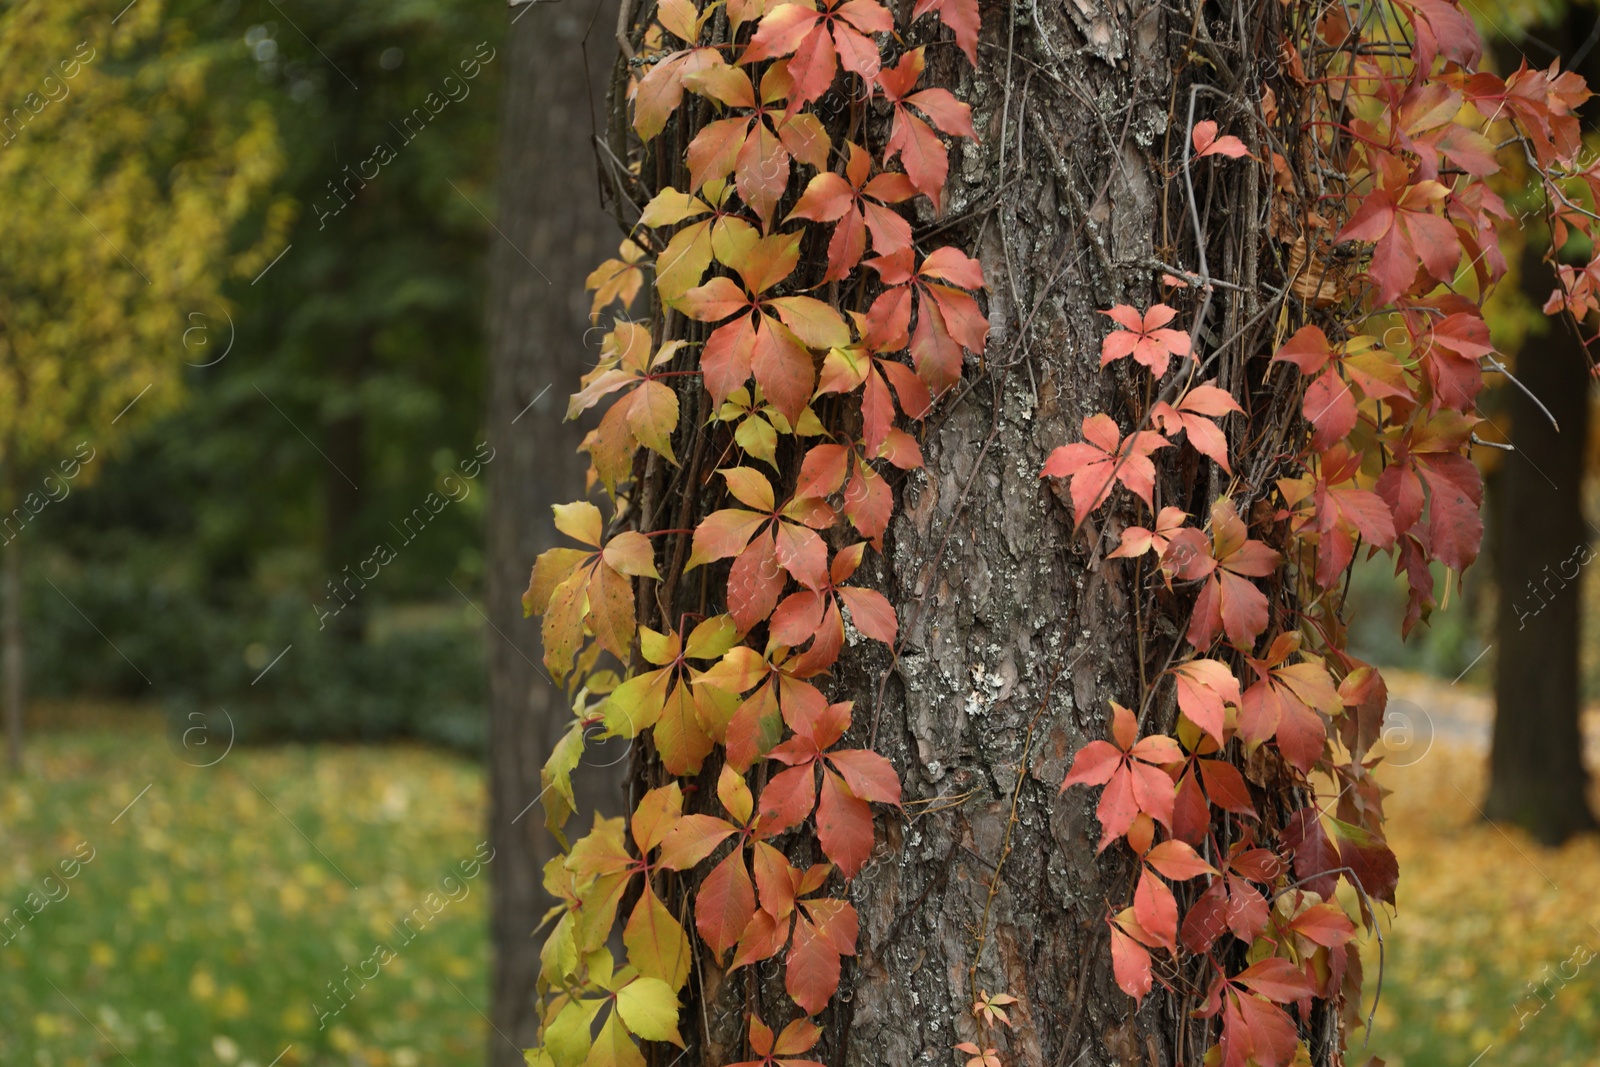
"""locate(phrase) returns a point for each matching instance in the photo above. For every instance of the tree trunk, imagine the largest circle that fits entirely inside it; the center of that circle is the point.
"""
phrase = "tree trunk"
(552, 232)
(1001, 890)
(1537, 778)
(11, 636)
(1016, 630)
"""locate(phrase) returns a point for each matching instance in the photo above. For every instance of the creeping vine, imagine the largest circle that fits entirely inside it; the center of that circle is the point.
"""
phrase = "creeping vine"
(801, 330)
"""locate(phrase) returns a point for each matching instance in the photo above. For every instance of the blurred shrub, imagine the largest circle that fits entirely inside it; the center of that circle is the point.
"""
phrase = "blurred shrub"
(420, 673)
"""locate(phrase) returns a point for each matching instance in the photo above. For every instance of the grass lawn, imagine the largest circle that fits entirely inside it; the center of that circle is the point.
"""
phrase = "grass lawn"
(215, 916)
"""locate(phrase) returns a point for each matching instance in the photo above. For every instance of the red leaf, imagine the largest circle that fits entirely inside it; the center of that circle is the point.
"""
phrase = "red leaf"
(787, 799)
(1242, 607)
(1154, 792)
(1131, 965)
(1258, 1032)
(1455, 500)
(754, 582)
(812, 975)
(1316, 861)
(1136, 540)
(1247, 910)
(1144, 338)
(1301, 735)
(1191, 815)
(799, 1036)
(868, 502)
(835, 919)
(869, 775)
(1117, 807)
(1094, 764)
(1368, 856)
(962, 18)
(844, 826)
(724, 904)
(1225, 786)
(1177, 861)
(797, 618)
(1308, 349)
(692, 839)
(1407, 233)
(1257, 864)
(1206, 918)
(1204, 687)
(1324, 924)
(871, 612)
(782, 367)
(1330, 407)
(1156, 909)
(1207, 143)
(1227, 601)
(1276, 979)
(1095, 465)
(801, 552)
(921, 152)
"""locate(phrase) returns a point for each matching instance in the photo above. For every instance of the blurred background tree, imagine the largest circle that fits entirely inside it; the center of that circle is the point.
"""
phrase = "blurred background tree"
(335, 405)
(551, 232)
(126, 175)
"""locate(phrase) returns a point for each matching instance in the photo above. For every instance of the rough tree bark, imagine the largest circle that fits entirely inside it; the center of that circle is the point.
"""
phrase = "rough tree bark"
(1016, 631)
(551, 233)
(1537, 778)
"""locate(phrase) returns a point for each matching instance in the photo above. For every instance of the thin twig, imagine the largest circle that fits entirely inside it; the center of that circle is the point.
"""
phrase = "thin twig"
(1496, 365)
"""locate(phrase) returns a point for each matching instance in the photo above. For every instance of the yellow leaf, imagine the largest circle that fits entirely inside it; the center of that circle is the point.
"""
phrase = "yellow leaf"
(636, 703)
(658, 811)
(580, 521)
(649, 1008)
(556, 780)
(614, 1048)
(656, 943)
(630, 553)
(563, 624)
(567, 1037)
(653, 415)
(552, 568)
